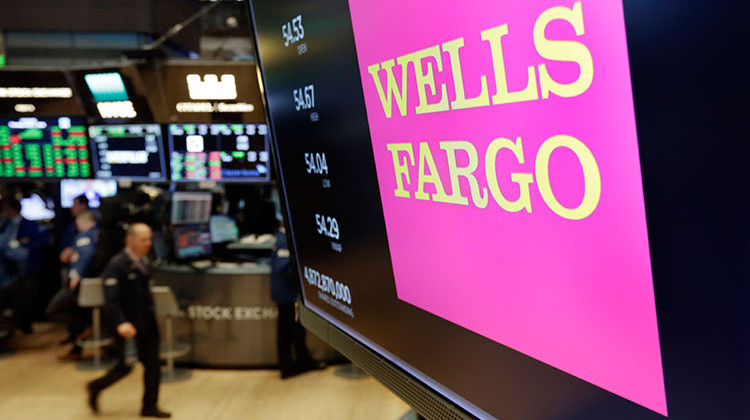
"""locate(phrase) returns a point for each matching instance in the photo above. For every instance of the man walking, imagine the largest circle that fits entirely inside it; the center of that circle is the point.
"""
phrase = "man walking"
(131, 308)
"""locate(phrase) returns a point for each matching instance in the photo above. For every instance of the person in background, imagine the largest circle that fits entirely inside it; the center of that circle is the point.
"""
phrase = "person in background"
(81, 257)
(80, 205)
(21, 244)
(130, 306)
(290, 335)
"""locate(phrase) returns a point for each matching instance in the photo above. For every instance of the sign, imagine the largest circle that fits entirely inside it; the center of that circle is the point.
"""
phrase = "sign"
(106, 87)
(211, 88)
(115, 94)
(116, 109)
(206, 93)
(35, 92)
(510, 126)
(44, 93)
(110, 95)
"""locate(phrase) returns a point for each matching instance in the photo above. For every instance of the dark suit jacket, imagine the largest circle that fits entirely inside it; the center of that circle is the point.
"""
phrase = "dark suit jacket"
(128, 293)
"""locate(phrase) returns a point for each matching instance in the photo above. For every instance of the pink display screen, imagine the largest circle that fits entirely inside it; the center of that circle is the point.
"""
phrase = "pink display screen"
(505, 145)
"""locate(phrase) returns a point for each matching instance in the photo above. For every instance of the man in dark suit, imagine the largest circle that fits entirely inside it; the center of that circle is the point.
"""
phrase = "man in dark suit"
(21, 244)
(131, 307)
(82, 250)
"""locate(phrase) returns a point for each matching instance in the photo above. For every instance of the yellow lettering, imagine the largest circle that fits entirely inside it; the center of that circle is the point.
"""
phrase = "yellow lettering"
(426, 161)
(461, 102)
(495, 37)
(522, 179)
(592, 178)
(392, 91)
(401, 169)
(563, 51)
(426, 78)
(478, 197)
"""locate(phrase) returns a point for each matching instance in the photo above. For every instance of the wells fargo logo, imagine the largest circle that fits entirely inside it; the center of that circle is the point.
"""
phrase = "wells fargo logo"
(393, 98)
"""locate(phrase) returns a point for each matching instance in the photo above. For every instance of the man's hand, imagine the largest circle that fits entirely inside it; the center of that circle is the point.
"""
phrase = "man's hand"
(74, 278)
(65, 255)
(126, 330)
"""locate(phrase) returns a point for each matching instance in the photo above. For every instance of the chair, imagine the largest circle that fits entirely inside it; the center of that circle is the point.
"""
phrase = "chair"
(91, 295)
(166, 306)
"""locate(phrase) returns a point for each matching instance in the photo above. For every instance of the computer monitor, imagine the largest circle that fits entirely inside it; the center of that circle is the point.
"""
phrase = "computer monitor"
(44, 148)
(219, 152)
(192, 241)
(134, 152)
(223, 229)
(190, 207)
(94, 189)
(464, 188)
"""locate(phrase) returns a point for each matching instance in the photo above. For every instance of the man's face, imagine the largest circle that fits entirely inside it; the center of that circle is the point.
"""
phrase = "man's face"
(140, 241)
(77, 208)
(83, 225)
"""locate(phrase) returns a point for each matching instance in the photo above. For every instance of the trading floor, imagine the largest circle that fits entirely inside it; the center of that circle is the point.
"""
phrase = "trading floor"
(35, 385)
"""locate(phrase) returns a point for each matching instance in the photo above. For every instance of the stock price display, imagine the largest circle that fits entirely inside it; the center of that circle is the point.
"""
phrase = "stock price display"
(328, 226)
(43, 148)
(304, 98)
(316, 163)
(128, 151)
(219, 152)
(293, 31)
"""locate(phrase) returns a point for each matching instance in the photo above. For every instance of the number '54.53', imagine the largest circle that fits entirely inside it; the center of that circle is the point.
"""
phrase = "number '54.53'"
(293, 31)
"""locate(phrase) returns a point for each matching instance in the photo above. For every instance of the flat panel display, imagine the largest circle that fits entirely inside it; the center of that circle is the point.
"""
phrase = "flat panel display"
(192, 241)
(94, 189)
(134, 152)
(464, 192)
(190, 207)
(223, 229)
(219, 152)
(44, 148)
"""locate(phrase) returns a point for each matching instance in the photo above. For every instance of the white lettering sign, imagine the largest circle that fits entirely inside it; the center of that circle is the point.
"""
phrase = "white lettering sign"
(117, 109)
(25, 108)
(211, 88)
(208, 107)
(36, 92)
(232, 313)
(25, 123)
